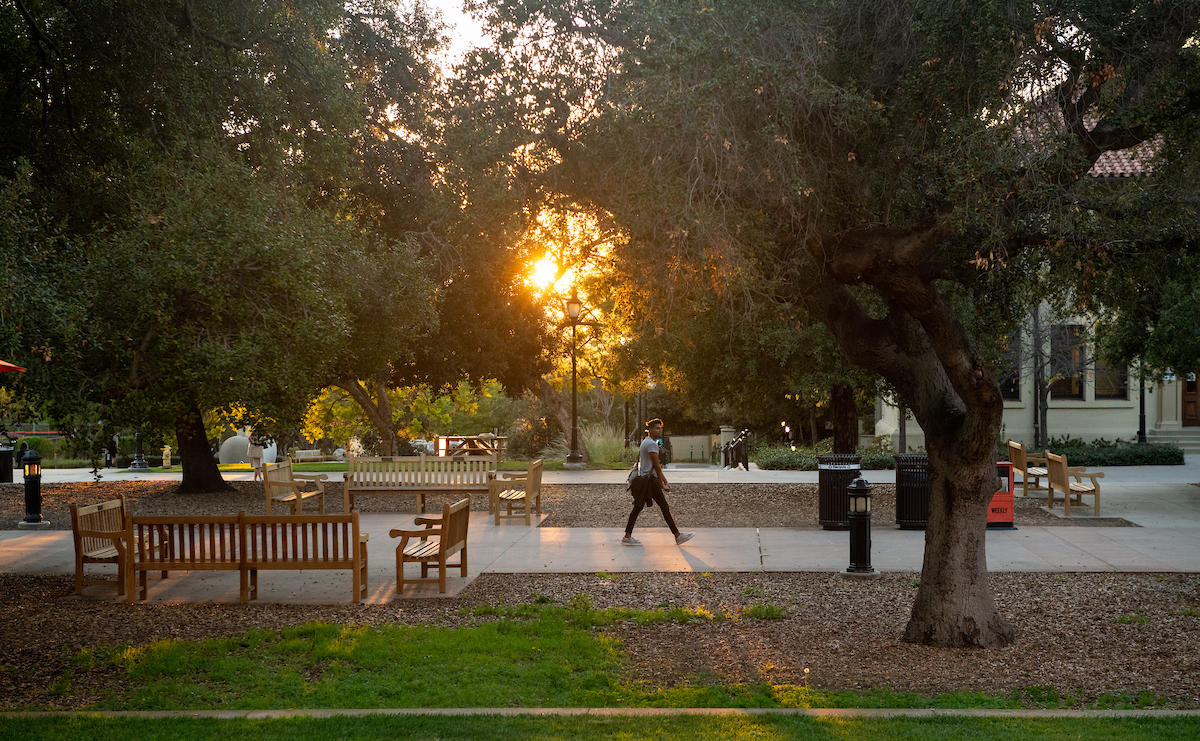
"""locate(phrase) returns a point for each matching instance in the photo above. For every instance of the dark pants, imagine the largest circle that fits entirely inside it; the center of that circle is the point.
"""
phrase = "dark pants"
(647, 488)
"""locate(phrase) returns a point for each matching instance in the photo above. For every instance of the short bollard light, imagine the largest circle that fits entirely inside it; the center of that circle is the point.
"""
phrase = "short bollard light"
(859, 493)
(32, 464)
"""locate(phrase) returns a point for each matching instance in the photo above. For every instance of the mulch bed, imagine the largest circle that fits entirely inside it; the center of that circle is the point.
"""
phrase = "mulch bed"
(1084, 635)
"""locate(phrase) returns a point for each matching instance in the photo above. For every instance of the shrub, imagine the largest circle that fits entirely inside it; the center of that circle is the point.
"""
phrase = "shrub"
(1104, 453)
(783, 458)
(526, 438)
(44, 447)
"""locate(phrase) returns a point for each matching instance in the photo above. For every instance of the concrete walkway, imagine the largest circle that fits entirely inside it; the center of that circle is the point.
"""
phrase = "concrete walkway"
(1164, 501)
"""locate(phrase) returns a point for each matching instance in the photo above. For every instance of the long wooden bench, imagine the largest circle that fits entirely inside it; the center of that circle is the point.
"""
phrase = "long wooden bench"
(304, 542)
(1022, 461)
(244, 544)
(1060, 481)
(415, 547)
(418, 475)
(510, 488)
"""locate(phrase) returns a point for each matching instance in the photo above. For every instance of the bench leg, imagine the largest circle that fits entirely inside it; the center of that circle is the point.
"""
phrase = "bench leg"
(442, 574)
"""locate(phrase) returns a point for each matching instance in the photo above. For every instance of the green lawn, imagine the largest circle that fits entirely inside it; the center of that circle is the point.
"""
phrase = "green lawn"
(733, 728)
(530, 655)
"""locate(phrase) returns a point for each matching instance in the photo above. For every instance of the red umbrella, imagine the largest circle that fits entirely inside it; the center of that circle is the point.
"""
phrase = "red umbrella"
(9, 367)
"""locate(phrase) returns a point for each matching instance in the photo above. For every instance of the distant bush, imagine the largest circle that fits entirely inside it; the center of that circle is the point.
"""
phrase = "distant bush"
(1105, 453)
(44, 447)
(783, 458)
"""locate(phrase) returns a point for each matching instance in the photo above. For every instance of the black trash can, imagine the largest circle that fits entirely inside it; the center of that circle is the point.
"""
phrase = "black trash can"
(834, 474)
(6, 465)
(912, 491)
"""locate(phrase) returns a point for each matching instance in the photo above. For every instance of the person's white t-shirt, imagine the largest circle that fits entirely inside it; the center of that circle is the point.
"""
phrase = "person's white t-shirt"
(648, 446)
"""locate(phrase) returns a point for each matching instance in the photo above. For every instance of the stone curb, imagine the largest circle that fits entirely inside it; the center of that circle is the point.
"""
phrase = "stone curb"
(613, 712)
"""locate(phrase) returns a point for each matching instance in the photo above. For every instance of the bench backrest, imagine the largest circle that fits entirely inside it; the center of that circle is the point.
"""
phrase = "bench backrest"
(318, 541)
(106, 517)
(1016, 454)
(277, 480)
(1056, 470)
(455, 518)
(533, 487)
(415, 471)
(170, 543)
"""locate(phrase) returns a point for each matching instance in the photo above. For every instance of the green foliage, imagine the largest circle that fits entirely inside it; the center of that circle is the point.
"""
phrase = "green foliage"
(764, 612)
(1104, 453)
(782, 457)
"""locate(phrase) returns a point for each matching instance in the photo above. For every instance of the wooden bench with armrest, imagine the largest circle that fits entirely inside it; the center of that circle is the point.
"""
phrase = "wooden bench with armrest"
(98, 531)
(282, 485)
(450, 529)
(418, 475)
(523, 489)
(1028, 466)
(244, 544)
(1060, 481)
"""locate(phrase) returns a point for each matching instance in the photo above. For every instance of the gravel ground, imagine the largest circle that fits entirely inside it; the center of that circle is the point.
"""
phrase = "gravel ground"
(1084, 635)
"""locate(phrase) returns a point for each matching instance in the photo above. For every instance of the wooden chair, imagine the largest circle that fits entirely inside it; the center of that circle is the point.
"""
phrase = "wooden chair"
(283, 486)
(522, 489)
(1021, 464)
(100, 536)
(415, 547)
(1060, 480)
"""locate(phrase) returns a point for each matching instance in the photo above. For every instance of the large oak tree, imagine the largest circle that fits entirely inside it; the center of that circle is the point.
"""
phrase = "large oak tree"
(908, 173)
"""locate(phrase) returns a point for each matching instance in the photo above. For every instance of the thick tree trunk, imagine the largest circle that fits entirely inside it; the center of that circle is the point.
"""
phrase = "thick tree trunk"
(923, 350)
(954, 605)
(845, 420)
(200, 471)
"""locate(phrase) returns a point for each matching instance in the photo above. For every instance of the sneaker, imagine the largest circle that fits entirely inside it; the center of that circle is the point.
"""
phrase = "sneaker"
(683, 538)
(630, 541)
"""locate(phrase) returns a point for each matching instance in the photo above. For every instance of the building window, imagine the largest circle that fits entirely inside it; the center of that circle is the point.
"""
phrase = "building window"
(1067, 361)
(1009, 370)
(1111, 383)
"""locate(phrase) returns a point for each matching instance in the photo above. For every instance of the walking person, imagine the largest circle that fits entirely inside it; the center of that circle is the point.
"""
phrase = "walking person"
(649, 485)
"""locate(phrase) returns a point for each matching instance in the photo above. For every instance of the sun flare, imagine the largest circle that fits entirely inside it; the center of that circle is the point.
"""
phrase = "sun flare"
(544, 273)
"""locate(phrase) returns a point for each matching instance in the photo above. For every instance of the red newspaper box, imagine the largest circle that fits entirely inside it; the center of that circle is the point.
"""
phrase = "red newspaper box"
(1000, 511)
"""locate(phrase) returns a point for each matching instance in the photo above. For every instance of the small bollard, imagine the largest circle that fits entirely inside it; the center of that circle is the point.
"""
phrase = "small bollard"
(32, 466)
(859, 493)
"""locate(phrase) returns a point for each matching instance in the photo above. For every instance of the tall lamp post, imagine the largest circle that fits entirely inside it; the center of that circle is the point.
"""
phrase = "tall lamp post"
(574, 309)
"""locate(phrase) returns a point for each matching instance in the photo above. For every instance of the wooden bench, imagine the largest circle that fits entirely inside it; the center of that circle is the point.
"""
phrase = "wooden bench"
(416, 474)
(304, 542)
(284, 486)
(1060, 480)
(99, 534)
(1021, 464)
(179, 544)
(244, 544)
(523, 489)
(415, 547)
(307, 455)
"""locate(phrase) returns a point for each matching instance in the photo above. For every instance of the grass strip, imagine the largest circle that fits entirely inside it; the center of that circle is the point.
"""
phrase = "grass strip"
(522, 656)
(84, 728)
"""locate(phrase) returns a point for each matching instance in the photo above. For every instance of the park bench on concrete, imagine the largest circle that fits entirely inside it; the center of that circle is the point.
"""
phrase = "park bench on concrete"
(282, 485)
(304, 542)
(1060, 481)
(299, 456)
(99, 534)
(418, 475)
(1021, 464)
(415, 547)
(523, 489)
(244, 544)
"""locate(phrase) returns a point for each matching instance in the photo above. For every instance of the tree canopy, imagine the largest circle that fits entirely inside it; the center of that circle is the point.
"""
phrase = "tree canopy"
(907, 173)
